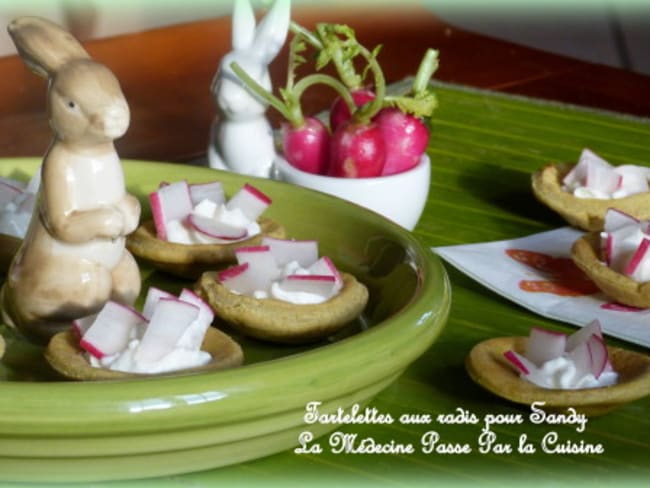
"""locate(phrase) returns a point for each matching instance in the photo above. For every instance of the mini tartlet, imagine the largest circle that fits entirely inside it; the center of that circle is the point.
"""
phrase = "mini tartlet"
(487, 366)
(278, 321)
(191, 260)
(585, 213)
(65, 355)
(585, 253)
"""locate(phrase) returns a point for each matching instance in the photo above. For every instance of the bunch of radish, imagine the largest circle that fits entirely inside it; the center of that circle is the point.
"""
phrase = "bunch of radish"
(288, 270)
(555, 360)
(167, 335)
(370, 133)
(199, 213)
(625, 244)
(593, 177)
(17, 201)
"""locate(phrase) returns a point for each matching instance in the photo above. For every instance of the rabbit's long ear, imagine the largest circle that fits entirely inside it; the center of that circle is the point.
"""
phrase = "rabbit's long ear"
(272, 31)
(243, 25)
(43, 45)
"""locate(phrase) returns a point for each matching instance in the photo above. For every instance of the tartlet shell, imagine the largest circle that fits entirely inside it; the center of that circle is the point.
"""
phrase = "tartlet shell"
(585, 253)
(486, 365)
(585, 213)
(190, 261)
(279, 321)
(66, 356)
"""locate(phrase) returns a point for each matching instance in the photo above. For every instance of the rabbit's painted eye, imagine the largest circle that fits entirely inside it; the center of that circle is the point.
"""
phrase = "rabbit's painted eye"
(71, 104)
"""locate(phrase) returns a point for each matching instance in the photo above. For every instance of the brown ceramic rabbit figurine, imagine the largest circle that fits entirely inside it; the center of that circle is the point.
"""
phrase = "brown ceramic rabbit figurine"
(73, 257)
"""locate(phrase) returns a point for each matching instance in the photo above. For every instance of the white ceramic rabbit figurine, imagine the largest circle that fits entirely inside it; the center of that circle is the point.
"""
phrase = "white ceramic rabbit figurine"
(73, 258)
(241, 138)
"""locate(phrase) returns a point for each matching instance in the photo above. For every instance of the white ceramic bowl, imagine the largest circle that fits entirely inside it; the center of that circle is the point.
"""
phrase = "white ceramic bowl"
(399, 197)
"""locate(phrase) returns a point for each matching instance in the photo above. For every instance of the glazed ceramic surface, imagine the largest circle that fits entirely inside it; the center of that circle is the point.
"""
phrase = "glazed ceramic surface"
(400, 197)
(63, 431)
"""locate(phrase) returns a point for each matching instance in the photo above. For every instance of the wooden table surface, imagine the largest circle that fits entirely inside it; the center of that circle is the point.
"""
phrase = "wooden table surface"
(166, 75)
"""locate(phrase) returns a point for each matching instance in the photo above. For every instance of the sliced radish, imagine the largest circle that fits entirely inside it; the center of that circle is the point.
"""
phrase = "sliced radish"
(193, 335)
(623, 244)
(616, 219)
(636, 267)
(305, 253)
(523, 365)
(81, 325)
(322, 285)
(242, 279)
(581, 358)
(634, 179)
(169, 321)
(261, 261)
(325, 266)
(251, 201)
(8, 192)
(151, 300)
(602, 179)
(212, 191)
(543, 345)
(170, 202)
(582, 335)
(216, 229)
(111, 331)
(598, 354)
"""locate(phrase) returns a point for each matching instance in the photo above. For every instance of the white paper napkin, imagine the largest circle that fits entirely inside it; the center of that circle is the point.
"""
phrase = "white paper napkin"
(543, 262)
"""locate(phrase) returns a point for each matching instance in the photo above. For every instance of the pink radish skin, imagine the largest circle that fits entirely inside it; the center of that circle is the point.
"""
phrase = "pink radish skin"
(251, 201)
(406, 138)
(518, 361)
(358, 151)
(598, 354)
(308, 147)
(304, 252)
(339, 111)
(170, 202)
(216, 229)
(633, 268)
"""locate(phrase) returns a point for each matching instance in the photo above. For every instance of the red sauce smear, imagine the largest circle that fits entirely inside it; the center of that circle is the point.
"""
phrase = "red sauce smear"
(564, 278)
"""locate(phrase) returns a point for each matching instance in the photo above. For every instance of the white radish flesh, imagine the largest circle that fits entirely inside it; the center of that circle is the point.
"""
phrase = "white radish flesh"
(251, 201)
(305, 253)
(192, 338)
(169, 321)
(151, 300)
(261, 260)
(212, 191)
(543, 345)
(111, 331)
(616, 219)
(582, 335)
(242, 279)
(598, 355)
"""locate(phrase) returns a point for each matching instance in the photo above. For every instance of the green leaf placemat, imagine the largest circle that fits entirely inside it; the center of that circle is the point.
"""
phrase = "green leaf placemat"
(484, 147)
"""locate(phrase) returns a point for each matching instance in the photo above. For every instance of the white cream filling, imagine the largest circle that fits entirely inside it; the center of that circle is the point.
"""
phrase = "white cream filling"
(177, 359)
(295, 297)
(561, 373)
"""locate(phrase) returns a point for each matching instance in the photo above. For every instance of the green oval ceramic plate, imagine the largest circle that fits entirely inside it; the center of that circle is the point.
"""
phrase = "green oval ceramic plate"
(64, 431)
